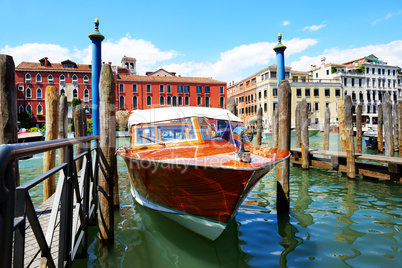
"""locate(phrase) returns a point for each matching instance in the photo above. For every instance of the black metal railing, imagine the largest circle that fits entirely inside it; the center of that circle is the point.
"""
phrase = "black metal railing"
(75, 202)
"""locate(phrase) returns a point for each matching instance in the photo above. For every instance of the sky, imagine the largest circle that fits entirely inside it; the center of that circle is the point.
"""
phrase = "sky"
(226, 40)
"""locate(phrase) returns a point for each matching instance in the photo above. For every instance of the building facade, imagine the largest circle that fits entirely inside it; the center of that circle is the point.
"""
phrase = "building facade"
(155, 89)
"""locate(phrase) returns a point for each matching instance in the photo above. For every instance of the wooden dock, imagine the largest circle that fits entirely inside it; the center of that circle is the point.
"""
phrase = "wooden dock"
(367, 165)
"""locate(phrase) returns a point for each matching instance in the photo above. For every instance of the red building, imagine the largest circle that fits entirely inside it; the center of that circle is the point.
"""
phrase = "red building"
(155, 89)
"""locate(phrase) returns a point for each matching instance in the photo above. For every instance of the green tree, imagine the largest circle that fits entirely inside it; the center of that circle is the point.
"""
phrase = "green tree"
(24, 119)
(122, 120)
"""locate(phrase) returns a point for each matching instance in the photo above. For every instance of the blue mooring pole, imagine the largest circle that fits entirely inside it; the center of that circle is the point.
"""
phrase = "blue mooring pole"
(280, 59)
(96, 38)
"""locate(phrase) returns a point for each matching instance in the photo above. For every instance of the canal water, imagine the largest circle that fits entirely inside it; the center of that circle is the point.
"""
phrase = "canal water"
(333, 222)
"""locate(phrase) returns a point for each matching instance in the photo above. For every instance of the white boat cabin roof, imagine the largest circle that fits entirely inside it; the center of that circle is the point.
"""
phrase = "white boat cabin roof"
(175, 113)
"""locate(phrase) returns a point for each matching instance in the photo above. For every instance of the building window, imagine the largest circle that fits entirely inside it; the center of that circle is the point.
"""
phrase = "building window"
(62, 92)
(161, 89)
(39, 93)
(38, 78)
(86, 95)
(327, 72)
(345, 81)
(275, 92)
(121, 102)
(149, 100)
(206, 89)
(62, 78)
(186, 101)
(28, 93)
(179, 89)
(222, 102)
(20, 88)
(327, 92)
(353, 82)
(75, 79)
(27, 78)
(298, 92)
(199, 89)
(20, 109)
(295, 78)
(307, 92)
(169, 100)
(199, 101)
(162, 100)
(180, 100)
(206, 101)
(135, 102)
(86, 108)
(360, 82)
(316, 92)
(186, 89)
(50, 78)
(220, 90)
(368, 95)
(168, 89)
(29, 109)
(86, 80)
(148, 88)
(337, 92)
(121, 88)
(175, 101)
(134, 88)
(316, 106)
(39, 110)
(75, 93)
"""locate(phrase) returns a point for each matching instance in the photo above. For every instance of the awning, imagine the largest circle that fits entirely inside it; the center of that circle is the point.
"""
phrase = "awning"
(252, 121)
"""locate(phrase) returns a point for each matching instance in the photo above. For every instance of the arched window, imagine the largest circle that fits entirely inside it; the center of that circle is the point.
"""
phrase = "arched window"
(135, 102)
(86, 80)
(39, 110)
(50, 78)
(20, 109)
(29, 109)
(38, 78)
(168, 100)
(39, 93)
(86, 95)
(28, 93)
(62, 78)
(162, 100)
(199, 101)
(206, 101)
(75, 79)
(121, 102)
(222, 102)
(175, 101)
(62, 92)
(149, 100)
(75, 93)
(180, 100)
(28, 78)
(86, 108)
(186, 101)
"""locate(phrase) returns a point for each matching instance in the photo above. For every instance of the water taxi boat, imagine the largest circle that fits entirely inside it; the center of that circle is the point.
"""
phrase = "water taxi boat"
(195, 165)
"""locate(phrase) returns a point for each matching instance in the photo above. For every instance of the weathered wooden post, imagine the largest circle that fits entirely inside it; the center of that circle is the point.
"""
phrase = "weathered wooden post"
(326, 128)
(275, 128)
(350, 145)
(304, 135)
(63, 125)
(107, 155)
(80, 127)
(259, 126)
(387, 117)
(380, 128)
(359, 129)
(298, 129)
(396, 126)
(400, 127)
(8, 134)
(282, 192)
(341, 118)
(52, 129)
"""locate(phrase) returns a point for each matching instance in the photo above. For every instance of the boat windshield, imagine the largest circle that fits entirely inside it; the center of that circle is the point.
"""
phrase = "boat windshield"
(213, 128)
(164, 132)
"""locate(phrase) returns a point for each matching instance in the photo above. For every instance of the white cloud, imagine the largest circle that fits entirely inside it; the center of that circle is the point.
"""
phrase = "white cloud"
(285, 23)
(390, 53)
(389, 15)
(314, 28)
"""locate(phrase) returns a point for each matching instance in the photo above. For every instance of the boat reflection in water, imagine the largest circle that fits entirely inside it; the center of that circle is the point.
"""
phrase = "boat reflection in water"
(195, 165)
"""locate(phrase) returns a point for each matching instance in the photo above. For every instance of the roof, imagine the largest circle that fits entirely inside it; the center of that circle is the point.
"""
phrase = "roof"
(175, 113)
(54, 67)
(178, 79)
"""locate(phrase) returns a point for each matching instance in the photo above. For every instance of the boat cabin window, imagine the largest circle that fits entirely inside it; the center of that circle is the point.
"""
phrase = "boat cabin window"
(213, 128)
(165, 132)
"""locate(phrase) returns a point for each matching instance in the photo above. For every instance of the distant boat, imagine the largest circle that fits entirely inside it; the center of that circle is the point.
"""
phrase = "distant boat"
(371, 138)
(194, 165)
(311, 132)
(26, 136)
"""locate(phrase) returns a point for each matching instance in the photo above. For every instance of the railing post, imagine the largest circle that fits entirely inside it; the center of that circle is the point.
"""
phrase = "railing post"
(86, 199)
(19, 234)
